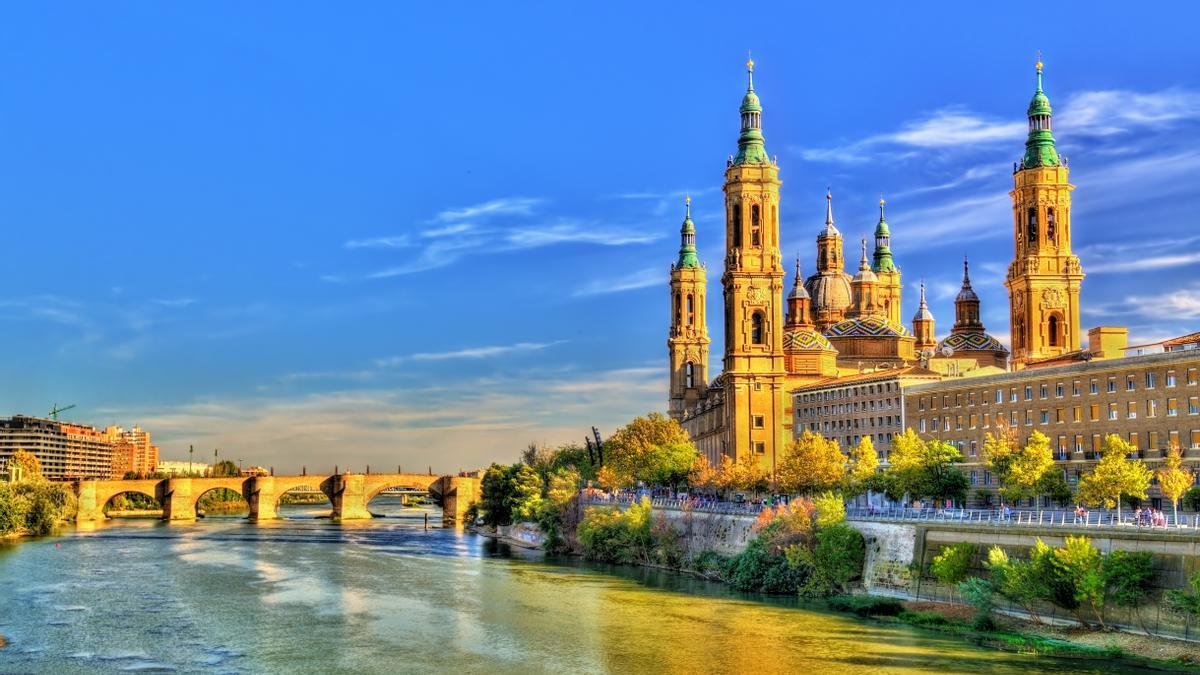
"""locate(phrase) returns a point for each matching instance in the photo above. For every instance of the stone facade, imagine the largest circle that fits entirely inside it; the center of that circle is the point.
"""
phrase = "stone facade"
(1151, 401)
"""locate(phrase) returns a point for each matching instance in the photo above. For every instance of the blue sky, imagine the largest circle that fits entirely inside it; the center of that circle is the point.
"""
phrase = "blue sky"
(392, 233)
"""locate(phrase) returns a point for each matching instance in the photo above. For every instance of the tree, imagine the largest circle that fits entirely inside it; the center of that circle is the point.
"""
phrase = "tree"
(951, 565)
(811, 464)
(31, 467)
(1128, 578)
(653, 449)
(1186, 602)
(1076, 575)
(1019, 469)
(703, 475)
(863, 469)
(225, 468)
(746, 474)
(925, 468)
(1054, 486)
(1115, 475)
(524, 492)
(494, 498)
(1191, 498)
(1173, 478)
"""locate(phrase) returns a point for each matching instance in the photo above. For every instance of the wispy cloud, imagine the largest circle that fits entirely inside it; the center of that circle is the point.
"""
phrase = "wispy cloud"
(1180, 303)
(969, 176)
(468, 353)
(1143, 255)
(397, 241)
(954, 128)
(521, 206)
(640, 279)
(1106, 113)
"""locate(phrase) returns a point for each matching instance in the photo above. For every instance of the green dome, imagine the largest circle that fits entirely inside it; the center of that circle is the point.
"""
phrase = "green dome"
(687, 237)
(750, 102)
(1040, 105)
(1039, 147)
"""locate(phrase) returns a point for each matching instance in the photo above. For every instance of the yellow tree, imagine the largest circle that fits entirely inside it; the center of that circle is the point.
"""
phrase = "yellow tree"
(645, 448)
(864, 465)
(703, 474)
(743, 474)
(1173, 478)
(31, 467)
(999, 449)
(1029, 464)
(811, 464)
(1115, 475)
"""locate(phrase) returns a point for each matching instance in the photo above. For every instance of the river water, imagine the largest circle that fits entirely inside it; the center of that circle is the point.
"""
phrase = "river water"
(306, 595)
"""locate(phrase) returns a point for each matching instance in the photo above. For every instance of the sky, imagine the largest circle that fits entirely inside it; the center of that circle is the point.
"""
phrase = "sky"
(426, 234)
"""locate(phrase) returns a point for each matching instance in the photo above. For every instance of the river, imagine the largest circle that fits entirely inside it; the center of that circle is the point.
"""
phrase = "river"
(306, 595)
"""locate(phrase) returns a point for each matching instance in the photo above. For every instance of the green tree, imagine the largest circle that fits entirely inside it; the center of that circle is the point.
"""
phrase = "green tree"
(1115, 475)
(1186, 602)
(925, 469)
(494, 498)
(524, 492)
(1076, 575)
(811, 464)
(864, 468)
(830, 508)
(1128, 579)
(225, 468)
(951, 565)
(1191, 499)
(980, 594)
(1019, 469)
(1054, 486)
(1018, 580)
(1173, 478)
(653, 449)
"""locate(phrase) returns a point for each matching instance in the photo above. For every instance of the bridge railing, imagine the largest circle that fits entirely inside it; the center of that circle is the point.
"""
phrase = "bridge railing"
(1064, 518)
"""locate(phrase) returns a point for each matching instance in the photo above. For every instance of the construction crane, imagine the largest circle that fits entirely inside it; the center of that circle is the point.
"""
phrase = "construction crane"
(55, 410)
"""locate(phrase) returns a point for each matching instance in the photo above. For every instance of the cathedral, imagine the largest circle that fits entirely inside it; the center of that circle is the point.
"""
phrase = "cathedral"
(836, 325)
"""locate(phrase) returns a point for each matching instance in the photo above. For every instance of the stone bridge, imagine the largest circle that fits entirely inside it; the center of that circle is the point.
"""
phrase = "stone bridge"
(349, 493)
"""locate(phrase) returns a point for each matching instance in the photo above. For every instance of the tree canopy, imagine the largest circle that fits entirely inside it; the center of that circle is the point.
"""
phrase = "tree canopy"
(811, 464)
(1115, 475)
(922, 468)
(653, 449)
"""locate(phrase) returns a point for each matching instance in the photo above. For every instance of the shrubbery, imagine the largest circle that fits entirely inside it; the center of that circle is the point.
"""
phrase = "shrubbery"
(866, 605)
(612, 535)
(34, 507)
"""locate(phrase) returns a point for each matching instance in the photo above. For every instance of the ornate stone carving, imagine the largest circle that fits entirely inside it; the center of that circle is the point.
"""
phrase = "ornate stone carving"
(1018, 303)
(756, 295)
(1052, 298)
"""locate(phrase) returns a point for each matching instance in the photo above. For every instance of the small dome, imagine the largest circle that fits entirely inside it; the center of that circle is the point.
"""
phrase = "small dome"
(866, 276)
(805, 340)
(972, 341)
(967, 294)
(1039, 105)
(867, 326)
(750, 102)
(829, 292)
(923, 313)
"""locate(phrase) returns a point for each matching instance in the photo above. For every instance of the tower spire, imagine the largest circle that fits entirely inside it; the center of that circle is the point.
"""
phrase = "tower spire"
(862, 263)
(966, 304)
(687, 238)
(751, 148)
(1039, 147)
(882, 261)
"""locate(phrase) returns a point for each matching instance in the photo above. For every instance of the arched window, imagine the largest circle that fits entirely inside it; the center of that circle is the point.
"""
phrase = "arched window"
(691, 310)
(1033, 226)
(1050, 226)
(678, 311)
(689, 375)
(1052, 331)
(755, 226)
(756, 328)
(737, 225)
(775, 216)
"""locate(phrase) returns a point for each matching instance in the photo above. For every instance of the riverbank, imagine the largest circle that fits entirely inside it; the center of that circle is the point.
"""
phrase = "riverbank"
(1016, 634)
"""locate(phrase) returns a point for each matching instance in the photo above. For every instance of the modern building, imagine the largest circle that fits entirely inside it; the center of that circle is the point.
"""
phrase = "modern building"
(65, 450)
(132, 451)
(1152, 401)
(182, 468)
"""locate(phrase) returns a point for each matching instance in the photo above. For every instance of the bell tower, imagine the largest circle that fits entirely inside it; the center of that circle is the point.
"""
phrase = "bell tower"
(753, 289)
(687, 342)
(885, 269)
(1044, 276)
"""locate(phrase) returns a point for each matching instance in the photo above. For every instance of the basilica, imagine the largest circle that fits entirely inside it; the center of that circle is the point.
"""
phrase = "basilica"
(843, 322)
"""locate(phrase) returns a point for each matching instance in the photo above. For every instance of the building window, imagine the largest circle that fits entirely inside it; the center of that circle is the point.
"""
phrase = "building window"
(1058, 416)
(1112, 411)
(921, 425)
(1029, 392)
(1152, 440)
(1075, 388)
(1193, 376)
(689, 374)
(758, 421)
(1172, 439)
(1077, 413)
(1031, 221)
(1194, 406)
(1151, 408)
(1052, 331)
(1170, 378)
(1094, 388)
(1172, 407)
(1196, 438)
(1112, 385)
(1012, 395)
(1129, 382)
(737, 225)
(1028, 418)
(1133, 440)
(999, 396)
(1044, 392)
(1045, 417)
(1150, 380)
(1078, 443)
(755, 226)
(1095, 412)
(1096, 445)
(974, 477)
(760, 448)
(987, 477)
(691, 309)
(1131, 410)
(756, 328)
(1058, 390)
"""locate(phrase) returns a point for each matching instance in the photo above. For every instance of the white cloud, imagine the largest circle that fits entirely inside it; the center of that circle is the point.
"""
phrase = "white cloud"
(398, 241)
(947, 129)
(1144, 255)
(468, 353)
(1106, 113)
(970, 175)
(522, 206)
(640, 279)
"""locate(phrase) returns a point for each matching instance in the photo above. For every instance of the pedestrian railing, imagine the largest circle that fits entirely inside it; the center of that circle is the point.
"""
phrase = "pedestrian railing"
(1037, 518)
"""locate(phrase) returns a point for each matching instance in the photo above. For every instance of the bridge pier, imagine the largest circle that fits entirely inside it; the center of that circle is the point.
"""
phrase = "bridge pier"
(88, 510)
(178, 500)
(263, 498)
(350, 497)
(457, 496)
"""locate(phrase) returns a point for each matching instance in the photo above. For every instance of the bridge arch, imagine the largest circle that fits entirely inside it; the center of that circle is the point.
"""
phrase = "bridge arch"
(311, 487)
(239, 489)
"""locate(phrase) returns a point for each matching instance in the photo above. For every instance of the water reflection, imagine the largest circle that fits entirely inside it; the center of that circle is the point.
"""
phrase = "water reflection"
(307, 594)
